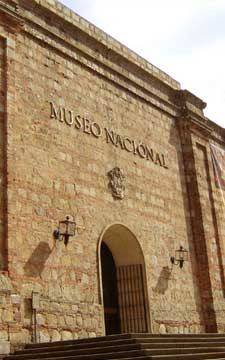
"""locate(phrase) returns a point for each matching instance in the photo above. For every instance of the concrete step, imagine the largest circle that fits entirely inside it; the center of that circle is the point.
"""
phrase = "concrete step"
(76, 352)
(69, 346)
(202, 356)
(197, 356)
(151, 341)
(86, 355)
(129, 347)
(76, 349)
(94, 356)
(186, 356)
(83, 341)
(178, 337)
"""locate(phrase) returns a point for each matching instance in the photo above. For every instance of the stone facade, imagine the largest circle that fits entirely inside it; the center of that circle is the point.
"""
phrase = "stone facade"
(75, 106)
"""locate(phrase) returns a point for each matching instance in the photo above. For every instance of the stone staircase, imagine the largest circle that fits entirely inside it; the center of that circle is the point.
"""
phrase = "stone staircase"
(129, 347)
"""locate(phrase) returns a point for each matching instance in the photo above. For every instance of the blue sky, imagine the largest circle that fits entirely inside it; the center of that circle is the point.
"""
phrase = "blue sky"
(185, 38)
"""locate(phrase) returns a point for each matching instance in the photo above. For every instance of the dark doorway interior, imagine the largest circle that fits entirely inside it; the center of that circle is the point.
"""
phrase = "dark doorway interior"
(110, 293)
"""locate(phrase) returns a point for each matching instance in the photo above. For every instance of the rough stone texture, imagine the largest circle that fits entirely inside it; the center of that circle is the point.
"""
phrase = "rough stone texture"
(2, 162)
(53, 165)
(4, 347)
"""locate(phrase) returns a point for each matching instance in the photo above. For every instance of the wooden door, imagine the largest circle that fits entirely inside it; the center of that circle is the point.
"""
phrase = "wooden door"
(131, 299)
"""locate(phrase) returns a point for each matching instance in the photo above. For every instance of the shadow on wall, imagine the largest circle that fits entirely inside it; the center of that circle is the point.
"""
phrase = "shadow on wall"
(36, 263)
(163, 280)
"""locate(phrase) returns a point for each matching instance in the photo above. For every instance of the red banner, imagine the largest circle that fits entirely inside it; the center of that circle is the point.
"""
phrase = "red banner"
(218, 158)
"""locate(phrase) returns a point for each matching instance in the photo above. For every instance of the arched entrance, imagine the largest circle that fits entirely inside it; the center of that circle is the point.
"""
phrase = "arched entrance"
(123, 281)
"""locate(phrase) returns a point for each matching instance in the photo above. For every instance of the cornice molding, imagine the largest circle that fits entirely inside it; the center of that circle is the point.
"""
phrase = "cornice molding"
(67, 16)
(145, 81)
(115, 72)
(191, 113)
(11, 15)
(102, 57)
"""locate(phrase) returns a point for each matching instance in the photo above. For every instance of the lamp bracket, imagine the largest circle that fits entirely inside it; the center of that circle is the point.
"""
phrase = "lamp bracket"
(56, 235)
(66, 229)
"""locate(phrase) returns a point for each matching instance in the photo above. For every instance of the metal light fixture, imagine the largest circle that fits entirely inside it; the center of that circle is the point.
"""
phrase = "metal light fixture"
(66, 229)
(181, 255)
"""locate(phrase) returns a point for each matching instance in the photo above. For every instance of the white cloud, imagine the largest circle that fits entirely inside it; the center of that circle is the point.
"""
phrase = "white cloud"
(186, 39)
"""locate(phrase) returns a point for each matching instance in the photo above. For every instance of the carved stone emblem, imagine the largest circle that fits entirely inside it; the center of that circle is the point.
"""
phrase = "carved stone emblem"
(117, 183)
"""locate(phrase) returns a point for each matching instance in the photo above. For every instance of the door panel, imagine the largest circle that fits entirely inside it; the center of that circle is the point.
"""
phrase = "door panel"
(132, 307)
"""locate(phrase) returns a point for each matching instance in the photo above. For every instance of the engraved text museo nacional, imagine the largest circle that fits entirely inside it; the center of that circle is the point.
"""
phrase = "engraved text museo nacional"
(89, 127)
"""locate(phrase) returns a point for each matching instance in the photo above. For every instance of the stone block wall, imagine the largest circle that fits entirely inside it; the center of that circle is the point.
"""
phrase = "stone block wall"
(70, 131)
(79, 105)
(3, 244)
(210, 196)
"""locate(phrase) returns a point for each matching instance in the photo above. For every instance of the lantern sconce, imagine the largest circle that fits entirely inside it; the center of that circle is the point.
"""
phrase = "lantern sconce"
(66, 229)
(181, 255)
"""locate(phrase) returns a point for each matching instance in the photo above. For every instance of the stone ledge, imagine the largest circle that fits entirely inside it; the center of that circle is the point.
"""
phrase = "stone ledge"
(100, 36)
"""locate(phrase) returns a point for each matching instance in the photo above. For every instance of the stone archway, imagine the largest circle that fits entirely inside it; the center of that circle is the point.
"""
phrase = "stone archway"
(123, 281)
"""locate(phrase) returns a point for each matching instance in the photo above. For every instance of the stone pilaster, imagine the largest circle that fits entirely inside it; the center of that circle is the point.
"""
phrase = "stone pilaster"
(195, 133)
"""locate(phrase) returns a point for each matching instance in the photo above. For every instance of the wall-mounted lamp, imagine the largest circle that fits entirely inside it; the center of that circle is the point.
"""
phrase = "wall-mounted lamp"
(181, 255)
(66, 229)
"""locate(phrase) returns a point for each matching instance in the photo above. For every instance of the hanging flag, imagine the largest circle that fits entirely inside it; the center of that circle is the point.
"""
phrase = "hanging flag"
(218, 159)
